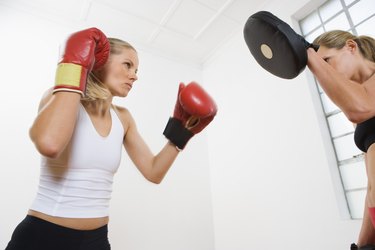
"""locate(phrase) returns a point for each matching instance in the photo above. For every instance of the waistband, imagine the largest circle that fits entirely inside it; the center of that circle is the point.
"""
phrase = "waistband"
(37, 234)
(52, 226)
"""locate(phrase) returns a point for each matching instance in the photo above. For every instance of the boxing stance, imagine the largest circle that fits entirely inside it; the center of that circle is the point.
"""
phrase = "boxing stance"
(80, 133)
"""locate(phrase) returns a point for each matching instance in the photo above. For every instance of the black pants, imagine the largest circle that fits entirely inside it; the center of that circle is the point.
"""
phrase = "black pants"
(37, 234)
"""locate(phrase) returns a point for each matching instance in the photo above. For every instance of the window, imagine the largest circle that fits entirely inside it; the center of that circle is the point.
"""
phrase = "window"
(357, 17)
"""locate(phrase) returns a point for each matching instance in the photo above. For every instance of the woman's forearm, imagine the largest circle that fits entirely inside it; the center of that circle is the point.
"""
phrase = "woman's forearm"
(54, 124)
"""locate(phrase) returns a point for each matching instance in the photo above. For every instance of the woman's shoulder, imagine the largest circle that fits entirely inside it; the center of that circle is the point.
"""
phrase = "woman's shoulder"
(125, 117)
(123, 113)
(121, 110)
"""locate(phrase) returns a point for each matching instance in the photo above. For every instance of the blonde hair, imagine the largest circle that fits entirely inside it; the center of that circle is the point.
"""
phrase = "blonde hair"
(95, 89)
(337, 39)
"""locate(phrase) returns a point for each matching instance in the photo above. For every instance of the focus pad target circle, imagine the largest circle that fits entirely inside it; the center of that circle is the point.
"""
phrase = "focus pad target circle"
(266, 51)
(286, 55)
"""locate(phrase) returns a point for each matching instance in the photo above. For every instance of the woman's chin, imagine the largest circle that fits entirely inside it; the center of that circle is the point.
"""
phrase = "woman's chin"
(123, 94)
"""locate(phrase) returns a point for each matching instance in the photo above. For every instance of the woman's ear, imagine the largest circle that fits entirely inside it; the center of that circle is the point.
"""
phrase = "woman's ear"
(351, 45)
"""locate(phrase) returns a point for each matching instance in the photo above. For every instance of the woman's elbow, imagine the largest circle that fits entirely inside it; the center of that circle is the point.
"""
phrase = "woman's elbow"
(46, 147)
(48, 150)
(154, 179)
(352, 117)
(358, 116)
(156, 182)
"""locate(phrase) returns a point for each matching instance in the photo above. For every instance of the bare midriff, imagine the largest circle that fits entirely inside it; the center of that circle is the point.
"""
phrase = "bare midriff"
(74, 223)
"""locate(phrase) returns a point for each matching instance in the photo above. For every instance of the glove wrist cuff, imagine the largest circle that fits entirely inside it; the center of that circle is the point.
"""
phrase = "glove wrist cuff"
(70, 77)
(176, 133)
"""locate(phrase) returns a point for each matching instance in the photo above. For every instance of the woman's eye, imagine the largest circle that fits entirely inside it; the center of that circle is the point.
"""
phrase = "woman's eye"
(127, 65)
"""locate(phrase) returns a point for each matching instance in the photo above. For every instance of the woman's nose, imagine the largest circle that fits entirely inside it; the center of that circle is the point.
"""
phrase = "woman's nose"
(133, 75)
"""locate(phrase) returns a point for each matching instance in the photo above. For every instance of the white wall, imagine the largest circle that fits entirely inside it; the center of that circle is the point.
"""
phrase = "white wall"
(177, 214)
(271, 183)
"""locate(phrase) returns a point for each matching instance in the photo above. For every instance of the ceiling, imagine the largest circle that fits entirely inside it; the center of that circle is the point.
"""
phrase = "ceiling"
(187, 30)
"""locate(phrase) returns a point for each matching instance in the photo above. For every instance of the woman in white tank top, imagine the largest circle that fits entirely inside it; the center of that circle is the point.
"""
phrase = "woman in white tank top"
(80, 135)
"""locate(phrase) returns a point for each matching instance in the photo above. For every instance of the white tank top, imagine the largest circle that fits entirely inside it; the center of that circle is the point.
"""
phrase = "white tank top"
(78, 184)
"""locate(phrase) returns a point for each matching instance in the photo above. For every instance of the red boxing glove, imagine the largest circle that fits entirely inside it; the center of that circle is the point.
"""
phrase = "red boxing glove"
(194, 110)
(194, 107)
(84, 51)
